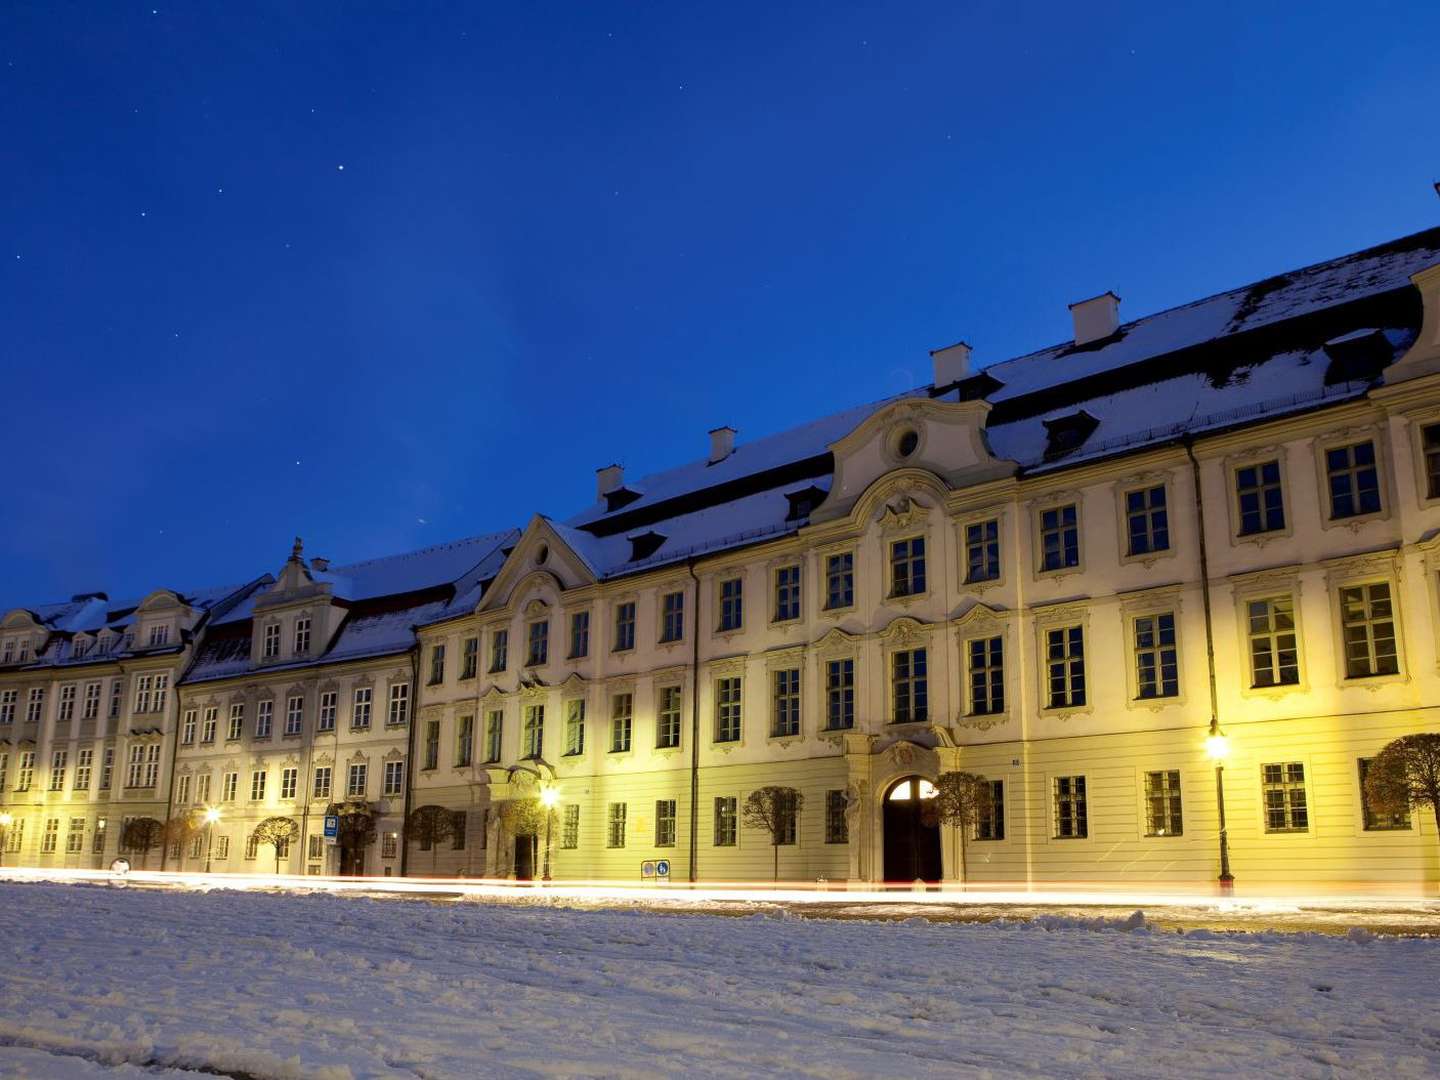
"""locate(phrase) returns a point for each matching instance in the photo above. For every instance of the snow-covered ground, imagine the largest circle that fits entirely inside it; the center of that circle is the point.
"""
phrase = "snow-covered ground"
(318, 985)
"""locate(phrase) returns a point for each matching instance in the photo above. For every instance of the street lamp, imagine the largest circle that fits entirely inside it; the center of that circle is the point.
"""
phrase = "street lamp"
(212, 815)
(6, 820)
(548, 798)
(1217, 746)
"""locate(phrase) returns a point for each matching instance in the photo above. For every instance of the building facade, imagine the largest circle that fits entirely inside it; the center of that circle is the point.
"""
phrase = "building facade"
(1064, 572)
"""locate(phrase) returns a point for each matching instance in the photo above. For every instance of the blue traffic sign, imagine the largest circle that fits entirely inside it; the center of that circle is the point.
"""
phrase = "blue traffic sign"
(332, 826)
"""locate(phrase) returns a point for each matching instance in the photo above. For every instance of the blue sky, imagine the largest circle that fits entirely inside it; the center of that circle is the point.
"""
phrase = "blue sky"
(383, 277)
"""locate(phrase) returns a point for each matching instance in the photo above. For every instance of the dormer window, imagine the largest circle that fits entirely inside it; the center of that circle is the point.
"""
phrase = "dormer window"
(302, 635)
(159, 635)
(1065, 434)
(24, 650)
(621, 496)
(803, 502)
(645, 544)
(8, 655)
(80, 647)
(271, 647)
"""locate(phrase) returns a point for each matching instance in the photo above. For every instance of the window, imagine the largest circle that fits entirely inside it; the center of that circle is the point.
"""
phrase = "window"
(1070, 821)
(1274, 656)
(615, 831)
(271, 646)
(1353, 479)
(459, 828)
(107, 768)
(1147, 520)
(9, 655)
(621, 720)
(1373, 820)
(1157, 667)
(579, 635)
(4, 767)
(67, 702)
(195, 846)
(394, 778)
(187, 728)
(1259, 498)
(732, 604)
(360, 709)
(624, 626)
(1368, 624)
(469, 657)
(315, 846)
(840, 580)
(389, 845)
(464, 742)
(837, 826)
(1283, 788)
(725, 821)
(1430, 440)
(264, 716)
(839, 694)
(82, 770)
(289, 781)
(787, 593)
(229, 786)
(25, 773)
(326, 720)
(1065, 667)
(92, 701)
(667, 718)
(57, 770)
(15, 836)
(982, 551)
(987, 675)
(358, 780)
(35, 705)
(294, 714)
(252, 847)
(785, 717)
(257, 786)
(202, 788)
(990, 820)
(117, 691)
(727, 710)
(909, 686)
(574, 727)
(135, 767)
(907, 567)
(399, 713)
(533, 731)
(499, 650)
(159, 635)
(786, 814)
(302, 635)
(237, 722)
(494, 727)
(570, 828)
(672, 616)
(51, 835)
(1162, 804)
(537, 650)
(664, 822)
(432, 744)
(437, 665)
(322, 782)
(97, 838)
(1059, 538)
(75, 836)
(7, 706)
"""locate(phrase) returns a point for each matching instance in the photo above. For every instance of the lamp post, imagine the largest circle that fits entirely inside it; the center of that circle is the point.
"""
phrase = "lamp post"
(212, 815)
(1217, 746)
(6, 820)
(548, 798)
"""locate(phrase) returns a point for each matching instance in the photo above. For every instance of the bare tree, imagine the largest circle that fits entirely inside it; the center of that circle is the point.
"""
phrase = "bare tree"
(776, 810)
(279, 833)
(430, 825)
(181, 828)
(961, 799)
(1405, 773)
(141, 834)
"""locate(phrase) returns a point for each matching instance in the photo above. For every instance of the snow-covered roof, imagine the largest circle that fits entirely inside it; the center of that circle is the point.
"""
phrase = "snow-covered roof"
(391, 575)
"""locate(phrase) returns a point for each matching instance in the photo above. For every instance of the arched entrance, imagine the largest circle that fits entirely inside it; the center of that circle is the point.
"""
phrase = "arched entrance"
(912, 832)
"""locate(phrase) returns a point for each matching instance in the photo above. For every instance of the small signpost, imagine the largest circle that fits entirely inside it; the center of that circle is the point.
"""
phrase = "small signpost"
(655, 871)
(662, 871)
(332, 828)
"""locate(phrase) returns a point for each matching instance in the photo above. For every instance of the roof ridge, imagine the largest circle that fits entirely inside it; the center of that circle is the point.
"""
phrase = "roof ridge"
(442, 546)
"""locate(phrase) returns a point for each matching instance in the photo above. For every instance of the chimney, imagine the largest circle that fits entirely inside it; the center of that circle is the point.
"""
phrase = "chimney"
(608, 479)
(952, 363)
(722, 443)
(319, 562)
(1096, 318)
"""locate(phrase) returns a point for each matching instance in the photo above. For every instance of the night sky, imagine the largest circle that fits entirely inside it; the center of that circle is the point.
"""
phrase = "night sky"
(384, 278)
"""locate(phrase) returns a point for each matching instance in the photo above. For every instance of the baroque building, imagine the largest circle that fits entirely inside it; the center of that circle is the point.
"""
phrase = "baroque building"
(1064, 572)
